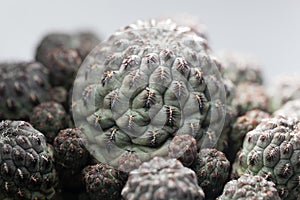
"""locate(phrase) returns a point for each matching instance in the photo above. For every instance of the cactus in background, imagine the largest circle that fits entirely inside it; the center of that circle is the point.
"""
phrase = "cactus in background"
(27, 170)
(22, 86)
(147, 83)
(162, 179)
(49, 118)
(272, 150)
(241, 69)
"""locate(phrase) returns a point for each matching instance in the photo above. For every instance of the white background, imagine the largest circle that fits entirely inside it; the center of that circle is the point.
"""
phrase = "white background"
(268, 30)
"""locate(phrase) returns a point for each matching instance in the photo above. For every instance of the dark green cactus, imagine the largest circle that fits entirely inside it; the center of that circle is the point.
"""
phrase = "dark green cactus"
(27, 170)
(22, 86)
(212, 170)
(49, 118)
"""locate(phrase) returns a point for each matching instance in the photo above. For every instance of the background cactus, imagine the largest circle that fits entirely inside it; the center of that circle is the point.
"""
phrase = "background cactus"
(22, 86)
(147, 83)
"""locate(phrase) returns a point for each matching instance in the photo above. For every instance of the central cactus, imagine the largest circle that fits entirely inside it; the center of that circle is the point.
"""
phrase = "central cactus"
(148, 82)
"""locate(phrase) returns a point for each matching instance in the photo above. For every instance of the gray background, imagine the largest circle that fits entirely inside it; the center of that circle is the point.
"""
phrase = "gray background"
(268, 30)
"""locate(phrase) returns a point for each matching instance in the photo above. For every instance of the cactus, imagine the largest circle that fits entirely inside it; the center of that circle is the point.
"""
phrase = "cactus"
(27, 170)
(23, 85)
(162, 179)
(272, 150)
(147, 83)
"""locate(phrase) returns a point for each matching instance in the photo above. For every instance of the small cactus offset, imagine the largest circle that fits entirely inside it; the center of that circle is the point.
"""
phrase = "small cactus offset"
(249, 187)
(27, 170)
(162, 179)
(23, 85)
(184, 149)
(272, 150)
(212, 170)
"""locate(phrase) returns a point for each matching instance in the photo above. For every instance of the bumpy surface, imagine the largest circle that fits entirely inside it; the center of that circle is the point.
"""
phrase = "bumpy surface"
(145, 84)
(162, 179)
(251, 188)
(22, 86)
(84, 42)
(183, 148)
(240, 69)
(241, 127)
(103, 182)
(272, 150)
(284, 89)
(212, 170)
(250, 96)
(289, 109)
(129, 161)
(63, 53)
(49, 118)
(26, 169)
(69, 149)
(59, 95)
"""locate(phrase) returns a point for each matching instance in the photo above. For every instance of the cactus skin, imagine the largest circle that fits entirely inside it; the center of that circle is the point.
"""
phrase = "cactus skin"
(27, 170)
(272, 150)
(103, 182)
(250, 187)
(184, 149)
(162, 179)
(248, 97)
(212, 170)
(152, 87)
(128, 162)
(241, 127)
(23, 85)
(49, 118)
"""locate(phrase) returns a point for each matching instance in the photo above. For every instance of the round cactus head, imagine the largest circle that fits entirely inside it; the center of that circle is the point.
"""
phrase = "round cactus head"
(149, 82)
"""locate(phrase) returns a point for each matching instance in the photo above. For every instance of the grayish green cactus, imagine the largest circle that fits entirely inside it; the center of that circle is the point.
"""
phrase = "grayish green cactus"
(147, 83)
(272, 150)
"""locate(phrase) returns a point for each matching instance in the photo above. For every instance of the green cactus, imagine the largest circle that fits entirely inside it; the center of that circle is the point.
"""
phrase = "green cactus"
(272, 150)
(22, 86)
(27, 170)
(147, 83)
(162, 179)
